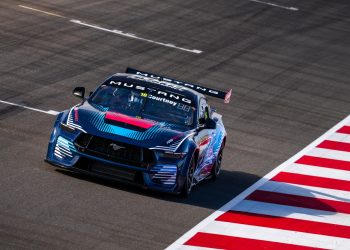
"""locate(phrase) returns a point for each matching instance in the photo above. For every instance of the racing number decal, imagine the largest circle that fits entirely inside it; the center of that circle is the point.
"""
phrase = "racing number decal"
(183, 107)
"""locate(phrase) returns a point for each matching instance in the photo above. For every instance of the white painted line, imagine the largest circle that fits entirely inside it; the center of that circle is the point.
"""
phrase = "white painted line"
(276, 235)
(275, 5)
(293, 212)
(306, 191)
(339, 137)
(41, 11)
(133, 36)
(53, 112)
(318, 171)
(50, 112)
(330, 154)
(195, 248)
(118, 32)
(178, 243)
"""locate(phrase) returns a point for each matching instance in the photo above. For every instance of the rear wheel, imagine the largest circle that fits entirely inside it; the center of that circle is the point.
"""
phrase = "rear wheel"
(217, 166)
(187, 187)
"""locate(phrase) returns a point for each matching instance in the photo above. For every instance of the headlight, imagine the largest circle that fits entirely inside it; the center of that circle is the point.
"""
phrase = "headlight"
(172, 155)
(67, 128)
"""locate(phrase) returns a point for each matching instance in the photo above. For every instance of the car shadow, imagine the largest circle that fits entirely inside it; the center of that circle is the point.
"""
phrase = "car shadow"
(209, 194)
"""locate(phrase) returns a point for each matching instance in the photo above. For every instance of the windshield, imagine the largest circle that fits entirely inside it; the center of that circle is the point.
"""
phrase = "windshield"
(144, 104)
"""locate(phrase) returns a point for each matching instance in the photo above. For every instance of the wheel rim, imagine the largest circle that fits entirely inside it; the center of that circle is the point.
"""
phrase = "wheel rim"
(190, 178)
(218, 164)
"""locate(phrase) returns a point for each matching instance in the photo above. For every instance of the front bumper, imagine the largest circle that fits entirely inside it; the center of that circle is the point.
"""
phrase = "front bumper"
(164, 177)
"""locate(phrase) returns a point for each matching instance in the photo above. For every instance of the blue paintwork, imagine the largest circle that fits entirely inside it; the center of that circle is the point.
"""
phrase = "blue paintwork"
(166, 175)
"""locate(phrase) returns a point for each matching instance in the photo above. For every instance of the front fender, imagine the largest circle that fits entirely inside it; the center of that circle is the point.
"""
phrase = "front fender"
(190, 148)
(57, 131)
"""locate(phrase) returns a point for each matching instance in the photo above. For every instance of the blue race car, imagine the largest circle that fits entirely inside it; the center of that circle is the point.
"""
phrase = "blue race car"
(142, 128)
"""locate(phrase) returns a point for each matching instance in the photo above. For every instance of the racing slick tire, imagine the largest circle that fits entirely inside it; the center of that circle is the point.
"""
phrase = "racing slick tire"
(217, 166)
(188, 185)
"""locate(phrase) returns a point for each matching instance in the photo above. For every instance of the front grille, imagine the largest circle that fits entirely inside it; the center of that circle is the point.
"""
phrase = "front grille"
(115, 151)
(109, 171)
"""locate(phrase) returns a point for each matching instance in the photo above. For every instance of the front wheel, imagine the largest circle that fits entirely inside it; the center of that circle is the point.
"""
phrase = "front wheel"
(217, 166)
(187, 187)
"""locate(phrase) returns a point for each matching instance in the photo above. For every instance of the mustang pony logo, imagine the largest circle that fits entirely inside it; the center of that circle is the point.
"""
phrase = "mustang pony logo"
(115, 147)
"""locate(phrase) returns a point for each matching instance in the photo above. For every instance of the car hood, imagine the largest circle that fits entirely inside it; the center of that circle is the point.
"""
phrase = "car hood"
(100, 121)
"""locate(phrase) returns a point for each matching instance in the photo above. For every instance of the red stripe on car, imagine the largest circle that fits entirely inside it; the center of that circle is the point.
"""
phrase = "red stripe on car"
(129, 120)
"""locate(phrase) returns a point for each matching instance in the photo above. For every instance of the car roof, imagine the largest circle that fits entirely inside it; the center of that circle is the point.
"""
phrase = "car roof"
(156, 84)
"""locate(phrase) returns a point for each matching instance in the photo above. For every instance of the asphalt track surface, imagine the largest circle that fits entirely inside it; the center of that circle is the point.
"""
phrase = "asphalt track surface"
(289, 71)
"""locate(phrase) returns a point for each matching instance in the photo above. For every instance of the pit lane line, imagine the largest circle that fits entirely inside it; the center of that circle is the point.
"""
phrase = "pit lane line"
(114, 31)
(41, 11)
(275, 5)
(49, 112)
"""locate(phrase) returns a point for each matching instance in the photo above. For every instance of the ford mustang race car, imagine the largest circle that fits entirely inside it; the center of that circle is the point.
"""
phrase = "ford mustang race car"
(142, 128)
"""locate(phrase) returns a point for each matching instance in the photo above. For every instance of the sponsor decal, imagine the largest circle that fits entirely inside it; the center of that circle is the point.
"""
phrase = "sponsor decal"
(162, 99)
(150, 77)
(164, 80)
(158, 95)
(158, 82)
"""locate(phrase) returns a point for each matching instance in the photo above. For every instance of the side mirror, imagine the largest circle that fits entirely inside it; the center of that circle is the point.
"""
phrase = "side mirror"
(206, 123)
(201, 122)
(79, 92)
(210, 124)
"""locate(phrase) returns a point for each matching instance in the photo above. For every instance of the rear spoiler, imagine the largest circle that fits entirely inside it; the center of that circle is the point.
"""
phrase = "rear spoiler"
(204, 90)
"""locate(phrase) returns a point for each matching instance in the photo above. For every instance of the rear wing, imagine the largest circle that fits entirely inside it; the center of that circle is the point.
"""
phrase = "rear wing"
(204, 90)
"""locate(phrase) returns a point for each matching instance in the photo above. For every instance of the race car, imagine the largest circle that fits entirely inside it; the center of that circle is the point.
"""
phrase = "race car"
(142, 128)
